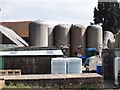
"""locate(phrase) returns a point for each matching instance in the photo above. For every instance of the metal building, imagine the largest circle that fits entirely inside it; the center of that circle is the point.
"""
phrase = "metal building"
(29, 61)
(38, 33)
(95, 37)
(77, 40)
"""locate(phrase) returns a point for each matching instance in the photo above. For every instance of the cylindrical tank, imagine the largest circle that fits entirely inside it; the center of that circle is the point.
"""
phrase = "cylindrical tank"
(50, 36)
(62, 38)
(77, 40)
(111, 44)
(61, 35)
(94, 37)
(106, 36)
(38, 33)
(117, 40)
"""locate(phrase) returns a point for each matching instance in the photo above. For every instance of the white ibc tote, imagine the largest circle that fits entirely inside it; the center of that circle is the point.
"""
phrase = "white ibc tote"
(74, 65)
(58, 66)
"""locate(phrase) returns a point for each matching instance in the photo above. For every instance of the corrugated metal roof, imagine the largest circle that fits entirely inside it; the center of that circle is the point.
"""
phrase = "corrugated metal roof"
(13, 36)
(20, 27)
(31, 53)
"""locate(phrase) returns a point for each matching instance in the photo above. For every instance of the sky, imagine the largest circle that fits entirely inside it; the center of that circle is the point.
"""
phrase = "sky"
(51, 11)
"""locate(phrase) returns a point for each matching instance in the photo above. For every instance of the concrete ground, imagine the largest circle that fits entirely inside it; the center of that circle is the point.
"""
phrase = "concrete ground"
(109, 85)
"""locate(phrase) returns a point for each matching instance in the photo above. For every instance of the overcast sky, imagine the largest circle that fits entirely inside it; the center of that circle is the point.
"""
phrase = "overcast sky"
(53, 11)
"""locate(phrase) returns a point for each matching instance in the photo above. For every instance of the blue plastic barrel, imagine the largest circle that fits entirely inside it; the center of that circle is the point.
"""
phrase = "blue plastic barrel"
(99, 69)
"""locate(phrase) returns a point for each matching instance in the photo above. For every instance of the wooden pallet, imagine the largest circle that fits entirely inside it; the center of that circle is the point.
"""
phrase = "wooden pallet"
(10, 72)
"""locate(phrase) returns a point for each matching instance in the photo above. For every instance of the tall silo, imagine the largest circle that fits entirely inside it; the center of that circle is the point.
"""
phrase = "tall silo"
(95, 37)
(61, 37)
(38, 33)
(107, 35)
(77, 40)
(117, 40)
(50, 36)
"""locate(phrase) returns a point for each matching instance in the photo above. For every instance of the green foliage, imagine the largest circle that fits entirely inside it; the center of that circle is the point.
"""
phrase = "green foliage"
(87, 87)
(108, 14)
(15, 86)
(19, 85)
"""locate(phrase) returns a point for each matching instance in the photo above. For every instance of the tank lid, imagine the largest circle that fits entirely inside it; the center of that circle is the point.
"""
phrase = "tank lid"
(79, 25)
(108, 32)
(40, 22)
(50, 26)
(64, 25)
(96, 26)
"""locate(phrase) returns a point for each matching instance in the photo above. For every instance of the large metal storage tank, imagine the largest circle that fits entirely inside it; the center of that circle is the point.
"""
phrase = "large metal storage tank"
(58, 66)
(62, 38)
(107, 35)
(111, 44)
(61, 35)
(74, 65)
(94, 37)
(117, 40)
(50, 36)
(77, 40)
(38, 33)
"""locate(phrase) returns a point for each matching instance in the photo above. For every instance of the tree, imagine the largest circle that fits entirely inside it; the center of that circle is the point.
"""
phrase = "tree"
(108, 14)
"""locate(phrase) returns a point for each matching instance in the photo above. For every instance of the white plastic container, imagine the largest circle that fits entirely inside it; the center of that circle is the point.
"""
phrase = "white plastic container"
(74, 65)
(93, 62)
(58, 66)
(116, 69)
